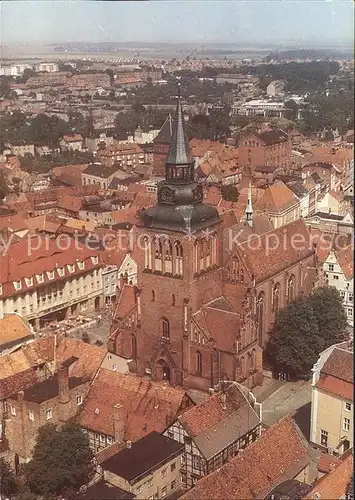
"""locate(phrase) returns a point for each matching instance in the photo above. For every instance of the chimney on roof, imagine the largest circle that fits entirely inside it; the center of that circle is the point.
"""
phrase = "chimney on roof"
(63, 393)
(119, 422)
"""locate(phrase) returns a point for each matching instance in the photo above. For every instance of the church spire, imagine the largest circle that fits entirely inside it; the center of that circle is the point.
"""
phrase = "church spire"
(179, 162)
(249, 208)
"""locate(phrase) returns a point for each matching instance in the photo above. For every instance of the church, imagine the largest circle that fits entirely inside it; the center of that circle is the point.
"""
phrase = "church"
(206, 294)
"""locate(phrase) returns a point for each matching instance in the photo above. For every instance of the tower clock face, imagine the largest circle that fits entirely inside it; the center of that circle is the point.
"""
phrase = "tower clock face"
(166, 195)
(197, 194)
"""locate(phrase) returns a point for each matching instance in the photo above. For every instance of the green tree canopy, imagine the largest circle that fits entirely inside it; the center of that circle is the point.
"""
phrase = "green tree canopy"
(8, 483)
(62, 460)
(329, 313)
(304, 329)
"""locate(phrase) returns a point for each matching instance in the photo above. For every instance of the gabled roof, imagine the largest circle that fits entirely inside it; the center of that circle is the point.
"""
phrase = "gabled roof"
(278, 454)
(336, 375)
(166, 131)
(345, 258)
(267, 254)
(335, 484)
(272, 137)
(276, 198)
(213, 427)
(13, 328)
(148, 405)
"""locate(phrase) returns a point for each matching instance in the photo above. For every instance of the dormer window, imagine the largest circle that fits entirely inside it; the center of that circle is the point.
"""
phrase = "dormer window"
(40, 278)
(17, 285)
(61, 271)
(81, 265)
(71, 268)
(50, 275)
(29, 281)
(94, 260)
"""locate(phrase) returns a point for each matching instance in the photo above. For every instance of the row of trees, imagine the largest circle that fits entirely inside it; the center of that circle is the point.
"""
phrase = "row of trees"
(62, 462)
(305, 328)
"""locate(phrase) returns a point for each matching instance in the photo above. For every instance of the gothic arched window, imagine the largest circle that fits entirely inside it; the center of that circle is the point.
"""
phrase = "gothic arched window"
(196, 256)
(178, 258)
(147, 253)
(168, 264)
(260, 304)
(173, 299)
(276, 298)
(291, 289)
(133, 346)
(198, 363)
(165, 328)
(158, 255)
(153, 295)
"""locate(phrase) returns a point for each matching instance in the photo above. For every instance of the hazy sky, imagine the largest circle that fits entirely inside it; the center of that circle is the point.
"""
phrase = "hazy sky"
(175, 20)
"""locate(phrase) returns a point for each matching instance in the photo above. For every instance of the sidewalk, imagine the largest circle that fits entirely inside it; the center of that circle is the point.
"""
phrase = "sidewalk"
(269, 387)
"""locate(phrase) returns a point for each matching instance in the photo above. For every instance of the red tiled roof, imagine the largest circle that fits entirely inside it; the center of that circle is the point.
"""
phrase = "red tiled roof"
(73, 138)
(276, 198)
(13, 222)
(340, 364)
(26, 259)
(269, 253)
(334, 484)
(346, 261)
(149, 405)
(336, 386)
(327, 463)
(126, 302)
(279, 453)
(207, 414)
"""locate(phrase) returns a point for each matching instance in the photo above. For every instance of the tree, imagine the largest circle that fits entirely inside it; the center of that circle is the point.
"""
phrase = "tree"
(126, 123)
(62, 460)
(329, 313)
(4, 189)
(304, 329)
(8, 482)
(295, 341)
(230, 193)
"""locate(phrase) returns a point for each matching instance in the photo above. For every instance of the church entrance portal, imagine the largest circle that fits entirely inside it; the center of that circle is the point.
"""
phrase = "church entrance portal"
(162, 371)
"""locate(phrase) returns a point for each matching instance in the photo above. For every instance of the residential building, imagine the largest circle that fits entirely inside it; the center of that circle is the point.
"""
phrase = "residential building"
(96, 174)
(71, 143)
(332, 413)
(331, 223)
(329, 202)
(216, 430)
(338, 483)
(14, 331)
(126, 155)
(204, 304)
(49, 67)
(123, 407)
(270, 148)
(148, 468)
(279, 454)
(44, 381)
(47, 279)
(22, 149)
(280, 204)
(275, 87)
(339, 272)
(102, 490)
(98, 141)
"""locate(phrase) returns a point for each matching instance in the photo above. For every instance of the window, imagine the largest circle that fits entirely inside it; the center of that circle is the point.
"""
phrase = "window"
(196, 462)
(165, 328)
(49, 414)
(109, 440)
(29, 281)
(17, 285)
(164, 472)
(12, 410)
(150, 483)
(79, 400)
(133, 346)
(170, 434)
(335, 277)
(351, 297)
(187, 440)
(198, 363)
(173, 466)
(102, 438)
(81, 265)
(139, 489)
(331, 267)
(71, 268)
(324, 438)
(347, 406)
(31, 415)
(346, 424)
(173, 300)
(153, 296)
(163, 491)
(350, 311)
(50, 275)
(173, 484)
(342, 294)
(61, 271)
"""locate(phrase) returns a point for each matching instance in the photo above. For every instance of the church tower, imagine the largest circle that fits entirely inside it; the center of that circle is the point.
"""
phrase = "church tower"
(180, 241)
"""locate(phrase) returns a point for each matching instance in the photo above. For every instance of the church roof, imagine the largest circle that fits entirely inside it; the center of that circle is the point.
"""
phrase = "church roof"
(165, 133)
(179, 149)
